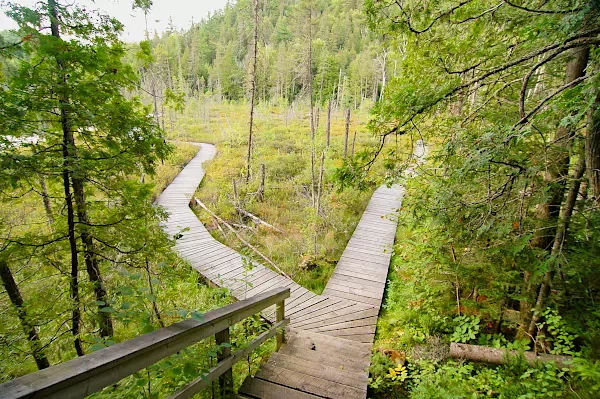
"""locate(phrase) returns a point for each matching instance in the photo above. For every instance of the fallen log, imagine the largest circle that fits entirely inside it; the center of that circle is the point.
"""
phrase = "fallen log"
(257, 220)
(242, 226)
(246, 243)
(485, 354)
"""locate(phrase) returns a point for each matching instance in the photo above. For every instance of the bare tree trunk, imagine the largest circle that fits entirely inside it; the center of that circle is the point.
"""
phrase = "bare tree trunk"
(252, 90)
(14, 294)
(328, 126)
(155, 101)
(162, 115)
(339, 90)
(353, 142)
(261, 188)
(346, 132)
(312, 118)
(320, 189)
(383, 73)
(321, 88)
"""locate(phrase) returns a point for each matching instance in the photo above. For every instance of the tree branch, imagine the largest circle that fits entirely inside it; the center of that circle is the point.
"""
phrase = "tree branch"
(549, 97)
(542, 11)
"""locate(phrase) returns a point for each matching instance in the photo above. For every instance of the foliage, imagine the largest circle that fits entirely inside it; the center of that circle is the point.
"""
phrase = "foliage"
(466, 330)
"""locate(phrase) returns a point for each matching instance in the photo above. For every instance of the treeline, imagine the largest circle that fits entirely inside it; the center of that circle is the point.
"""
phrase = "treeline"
(349, 62)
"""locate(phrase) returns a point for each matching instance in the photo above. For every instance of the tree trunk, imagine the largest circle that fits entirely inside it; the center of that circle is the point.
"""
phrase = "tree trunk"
(70, 155)
(592, 149)
(383, 73)
(321, 88)
(353, 143)
(320, 189)
(339, 90)
(557, 166)
(476, 353)
(14, 294)
(252, 90)
(155, 101)
(74, 280)
(559, 240)
(461, 97)
(261, 188)
(328, 126)
(66, 127)
(312, 118)
(346, 132)
(151, 288)
(47, 205)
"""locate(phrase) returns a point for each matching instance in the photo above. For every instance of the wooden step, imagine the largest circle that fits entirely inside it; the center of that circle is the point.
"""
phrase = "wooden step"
(261, 389)
(327, 350)
(344, 377)
(308, 383)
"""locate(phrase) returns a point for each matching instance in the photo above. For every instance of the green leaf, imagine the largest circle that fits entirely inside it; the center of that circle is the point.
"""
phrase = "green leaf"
(96, 347)
(197, 315)
(151, 297)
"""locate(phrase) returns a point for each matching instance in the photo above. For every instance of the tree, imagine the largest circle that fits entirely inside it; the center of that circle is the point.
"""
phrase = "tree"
(508, 151)
(252, 87)
(72, 91)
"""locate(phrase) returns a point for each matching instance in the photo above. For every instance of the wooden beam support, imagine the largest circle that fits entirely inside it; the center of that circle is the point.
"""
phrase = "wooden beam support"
(223, 352)
(280, 316)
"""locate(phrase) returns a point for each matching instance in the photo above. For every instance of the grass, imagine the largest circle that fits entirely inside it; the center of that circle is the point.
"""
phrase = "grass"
(282, 143)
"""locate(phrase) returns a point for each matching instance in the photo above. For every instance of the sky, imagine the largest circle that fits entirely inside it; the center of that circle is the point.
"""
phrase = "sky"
(181, 11)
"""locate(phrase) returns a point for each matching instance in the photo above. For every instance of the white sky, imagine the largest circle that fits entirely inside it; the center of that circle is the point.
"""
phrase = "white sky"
(181, 11)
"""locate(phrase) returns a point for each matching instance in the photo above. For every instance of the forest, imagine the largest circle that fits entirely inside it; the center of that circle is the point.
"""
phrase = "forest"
(312, 105)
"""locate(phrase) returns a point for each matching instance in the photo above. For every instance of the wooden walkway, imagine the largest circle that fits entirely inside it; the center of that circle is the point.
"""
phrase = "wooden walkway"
(330, 335)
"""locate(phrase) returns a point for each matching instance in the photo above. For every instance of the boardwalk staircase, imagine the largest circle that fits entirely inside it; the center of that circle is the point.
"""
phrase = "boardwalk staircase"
(312, 365)
(325, 350)
(330, 336)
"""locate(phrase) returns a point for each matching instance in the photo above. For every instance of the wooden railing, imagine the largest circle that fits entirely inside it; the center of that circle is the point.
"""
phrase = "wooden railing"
(83, 376)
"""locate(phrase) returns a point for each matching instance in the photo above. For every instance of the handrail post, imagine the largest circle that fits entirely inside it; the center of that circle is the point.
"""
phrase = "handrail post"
(226, 379)
(280, 315)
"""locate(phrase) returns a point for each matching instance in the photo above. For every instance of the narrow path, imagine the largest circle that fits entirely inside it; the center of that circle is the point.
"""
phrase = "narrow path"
(322, 357)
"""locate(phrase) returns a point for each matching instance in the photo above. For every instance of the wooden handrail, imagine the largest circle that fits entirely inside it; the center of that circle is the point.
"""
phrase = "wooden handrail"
(85, 375)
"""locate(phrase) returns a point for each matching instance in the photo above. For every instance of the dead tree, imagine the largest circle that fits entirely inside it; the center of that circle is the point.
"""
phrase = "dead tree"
(261, 189)
(346, 132)
(252, 90)
(328, 126)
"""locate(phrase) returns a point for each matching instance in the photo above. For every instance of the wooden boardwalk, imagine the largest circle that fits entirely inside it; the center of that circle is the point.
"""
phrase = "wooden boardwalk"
(330, 335)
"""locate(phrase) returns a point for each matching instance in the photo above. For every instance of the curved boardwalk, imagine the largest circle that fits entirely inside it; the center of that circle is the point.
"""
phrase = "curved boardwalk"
(322, 357)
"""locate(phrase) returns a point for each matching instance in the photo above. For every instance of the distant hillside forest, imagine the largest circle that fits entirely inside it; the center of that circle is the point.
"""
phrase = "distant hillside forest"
(350, 63)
